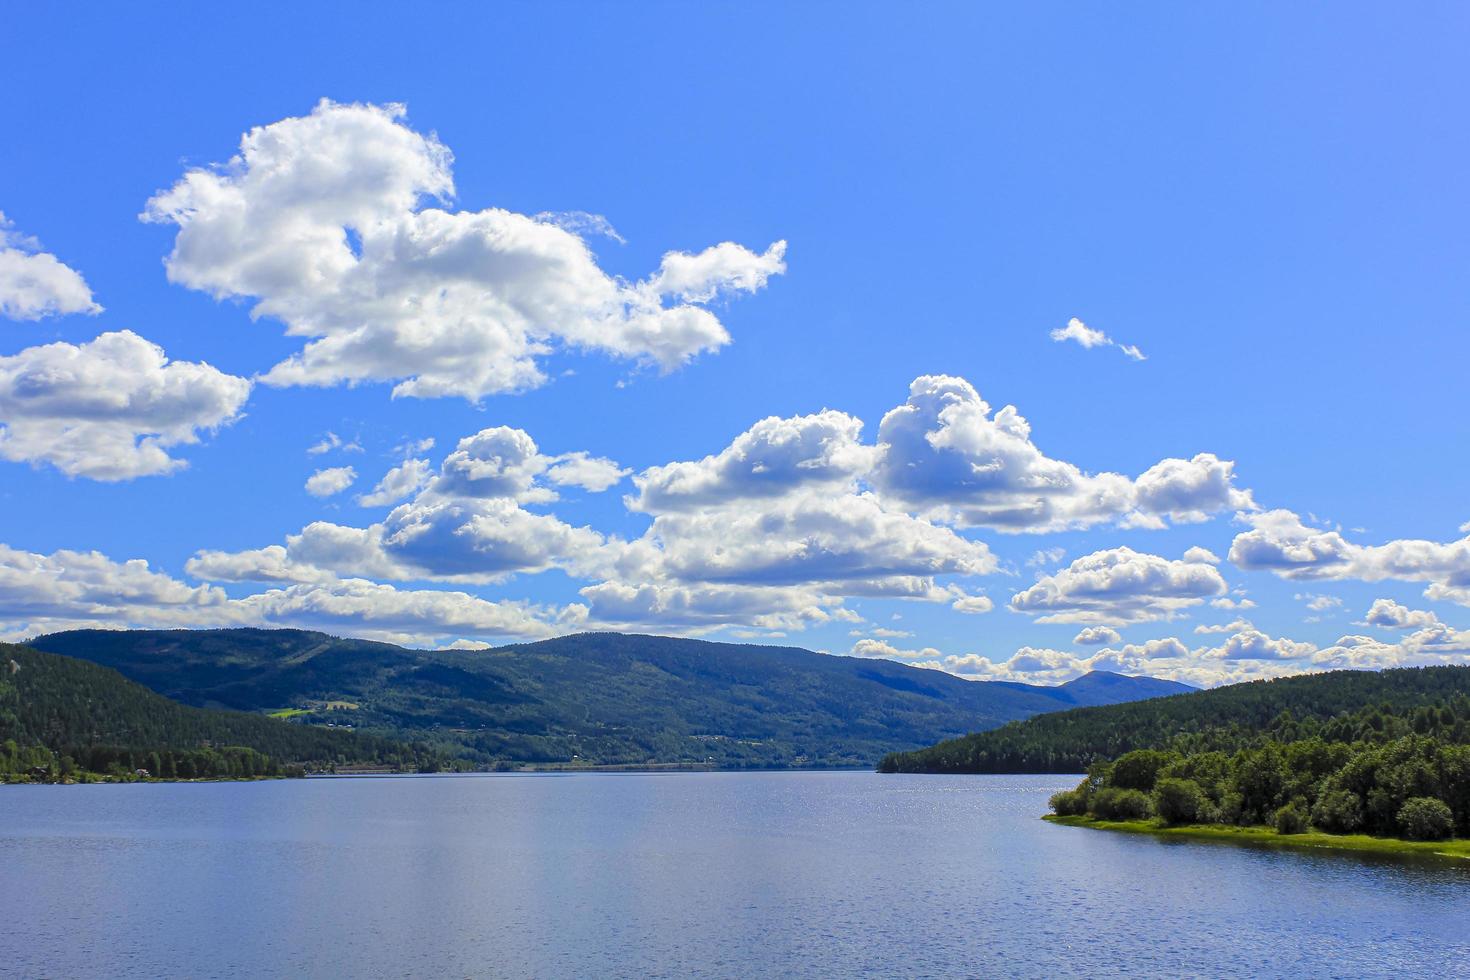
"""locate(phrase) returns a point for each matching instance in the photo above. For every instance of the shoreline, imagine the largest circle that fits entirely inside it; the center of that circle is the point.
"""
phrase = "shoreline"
(1454, 850)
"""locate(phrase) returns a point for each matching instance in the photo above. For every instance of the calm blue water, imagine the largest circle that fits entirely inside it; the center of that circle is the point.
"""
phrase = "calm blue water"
(675, 875)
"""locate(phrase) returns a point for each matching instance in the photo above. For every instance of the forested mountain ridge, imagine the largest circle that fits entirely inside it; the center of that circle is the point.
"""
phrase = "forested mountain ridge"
(591, 698)
(1338, 706)
(62, 715)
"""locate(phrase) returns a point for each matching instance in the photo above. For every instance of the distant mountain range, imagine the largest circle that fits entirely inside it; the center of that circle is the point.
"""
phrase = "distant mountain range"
(588, 699)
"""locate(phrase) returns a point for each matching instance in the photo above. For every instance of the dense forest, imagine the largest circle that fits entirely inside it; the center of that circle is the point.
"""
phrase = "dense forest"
(1415, 786)
(1340, 707)
(67, 719)
(588, 699)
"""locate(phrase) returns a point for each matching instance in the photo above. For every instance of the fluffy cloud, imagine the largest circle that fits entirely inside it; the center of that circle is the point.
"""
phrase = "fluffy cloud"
(466, 524)
(109, 409)
(813, 537)
(1280, 542)
(1080, 333)
(36, 284)
(401, 481)
(1096, 636)
(1234, 626)
(69, 589)
(883, 650)
(591, 473)
(321, 219)
(1391, 615)
(772, 458)
(945, 453)
(1119, 586)
(88, 585)
(331, 481)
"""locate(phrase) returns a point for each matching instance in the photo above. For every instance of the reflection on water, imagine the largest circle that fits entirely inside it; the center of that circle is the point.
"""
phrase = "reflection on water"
(688, 874)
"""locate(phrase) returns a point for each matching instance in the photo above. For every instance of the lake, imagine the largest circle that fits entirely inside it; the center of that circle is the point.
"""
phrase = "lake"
(676, 875)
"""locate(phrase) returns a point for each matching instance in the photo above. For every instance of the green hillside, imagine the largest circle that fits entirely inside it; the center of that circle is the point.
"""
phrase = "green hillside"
(1340, 706)
(594, 698)
(63, 715)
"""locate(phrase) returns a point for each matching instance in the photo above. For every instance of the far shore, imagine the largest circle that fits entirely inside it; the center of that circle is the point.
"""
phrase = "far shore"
(1453, 850)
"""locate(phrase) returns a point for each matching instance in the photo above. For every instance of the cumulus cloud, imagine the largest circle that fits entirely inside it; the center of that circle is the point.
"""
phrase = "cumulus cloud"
(883, 650)
(322, 220)
(773, 458)
(1080, 333)
(581, 469)
(69, 590)
(331, 481)
(466, 524)
(1234, 626)
(943, 452)
(36, 284)
(110, 409)
(1392, 615)
(1119, 586)
(1096, 635)
(401, 481)
(1280, 542)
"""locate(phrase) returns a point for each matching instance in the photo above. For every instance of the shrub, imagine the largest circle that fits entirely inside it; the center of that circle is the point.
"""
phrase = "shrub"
(1291, 819)
(1339, 812)
(1426, 818)
(1069, 803)
(1120, 804)
(1180, 801)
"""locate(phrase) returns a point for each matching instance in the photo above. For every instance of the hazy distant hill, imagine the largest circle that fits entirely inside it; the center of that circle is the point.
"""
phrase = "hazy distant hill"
(1340, 706)
(598, 698)
(98, 719)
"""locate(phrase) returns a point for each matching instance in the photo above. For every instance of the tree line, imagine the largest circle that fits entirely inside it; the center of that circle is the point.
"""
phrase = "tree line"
(1416, 786)
(1336, 707)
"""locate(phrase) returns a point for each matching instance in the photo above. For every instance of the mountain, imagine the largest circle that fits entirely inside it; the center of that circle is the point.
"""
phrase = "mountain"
(53, 706)
(1105, 687)
(591, 698)
(1339, 706)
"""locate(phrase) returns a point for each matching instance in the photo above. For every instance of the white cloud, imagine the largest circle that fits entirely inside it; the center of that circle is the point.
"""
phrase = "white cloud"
(880, 649)
(1097, 635)
(333, 441)
(1234, 626)
(592, 473)
(772, 458)
(401, 481)
(109, 409)
(321, 219)
(1281, 543)
(1391, 615)
(1198, 554)
(1226, 602)
(69, 590)
(36, 284)
(1119, 586)
(1318, 602)
(814, 537)
(1080, 333)
(330, 481)
(945, 454)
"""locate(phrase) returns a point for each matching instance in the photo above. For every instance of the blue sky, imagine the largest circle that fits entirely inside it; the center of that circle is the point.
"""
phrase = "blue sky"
(1267, 203)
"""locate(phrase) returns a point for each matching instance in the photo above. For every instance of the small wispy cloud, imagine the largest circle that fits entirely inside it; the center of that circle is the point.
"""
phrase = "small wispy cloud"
(1081, 333)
